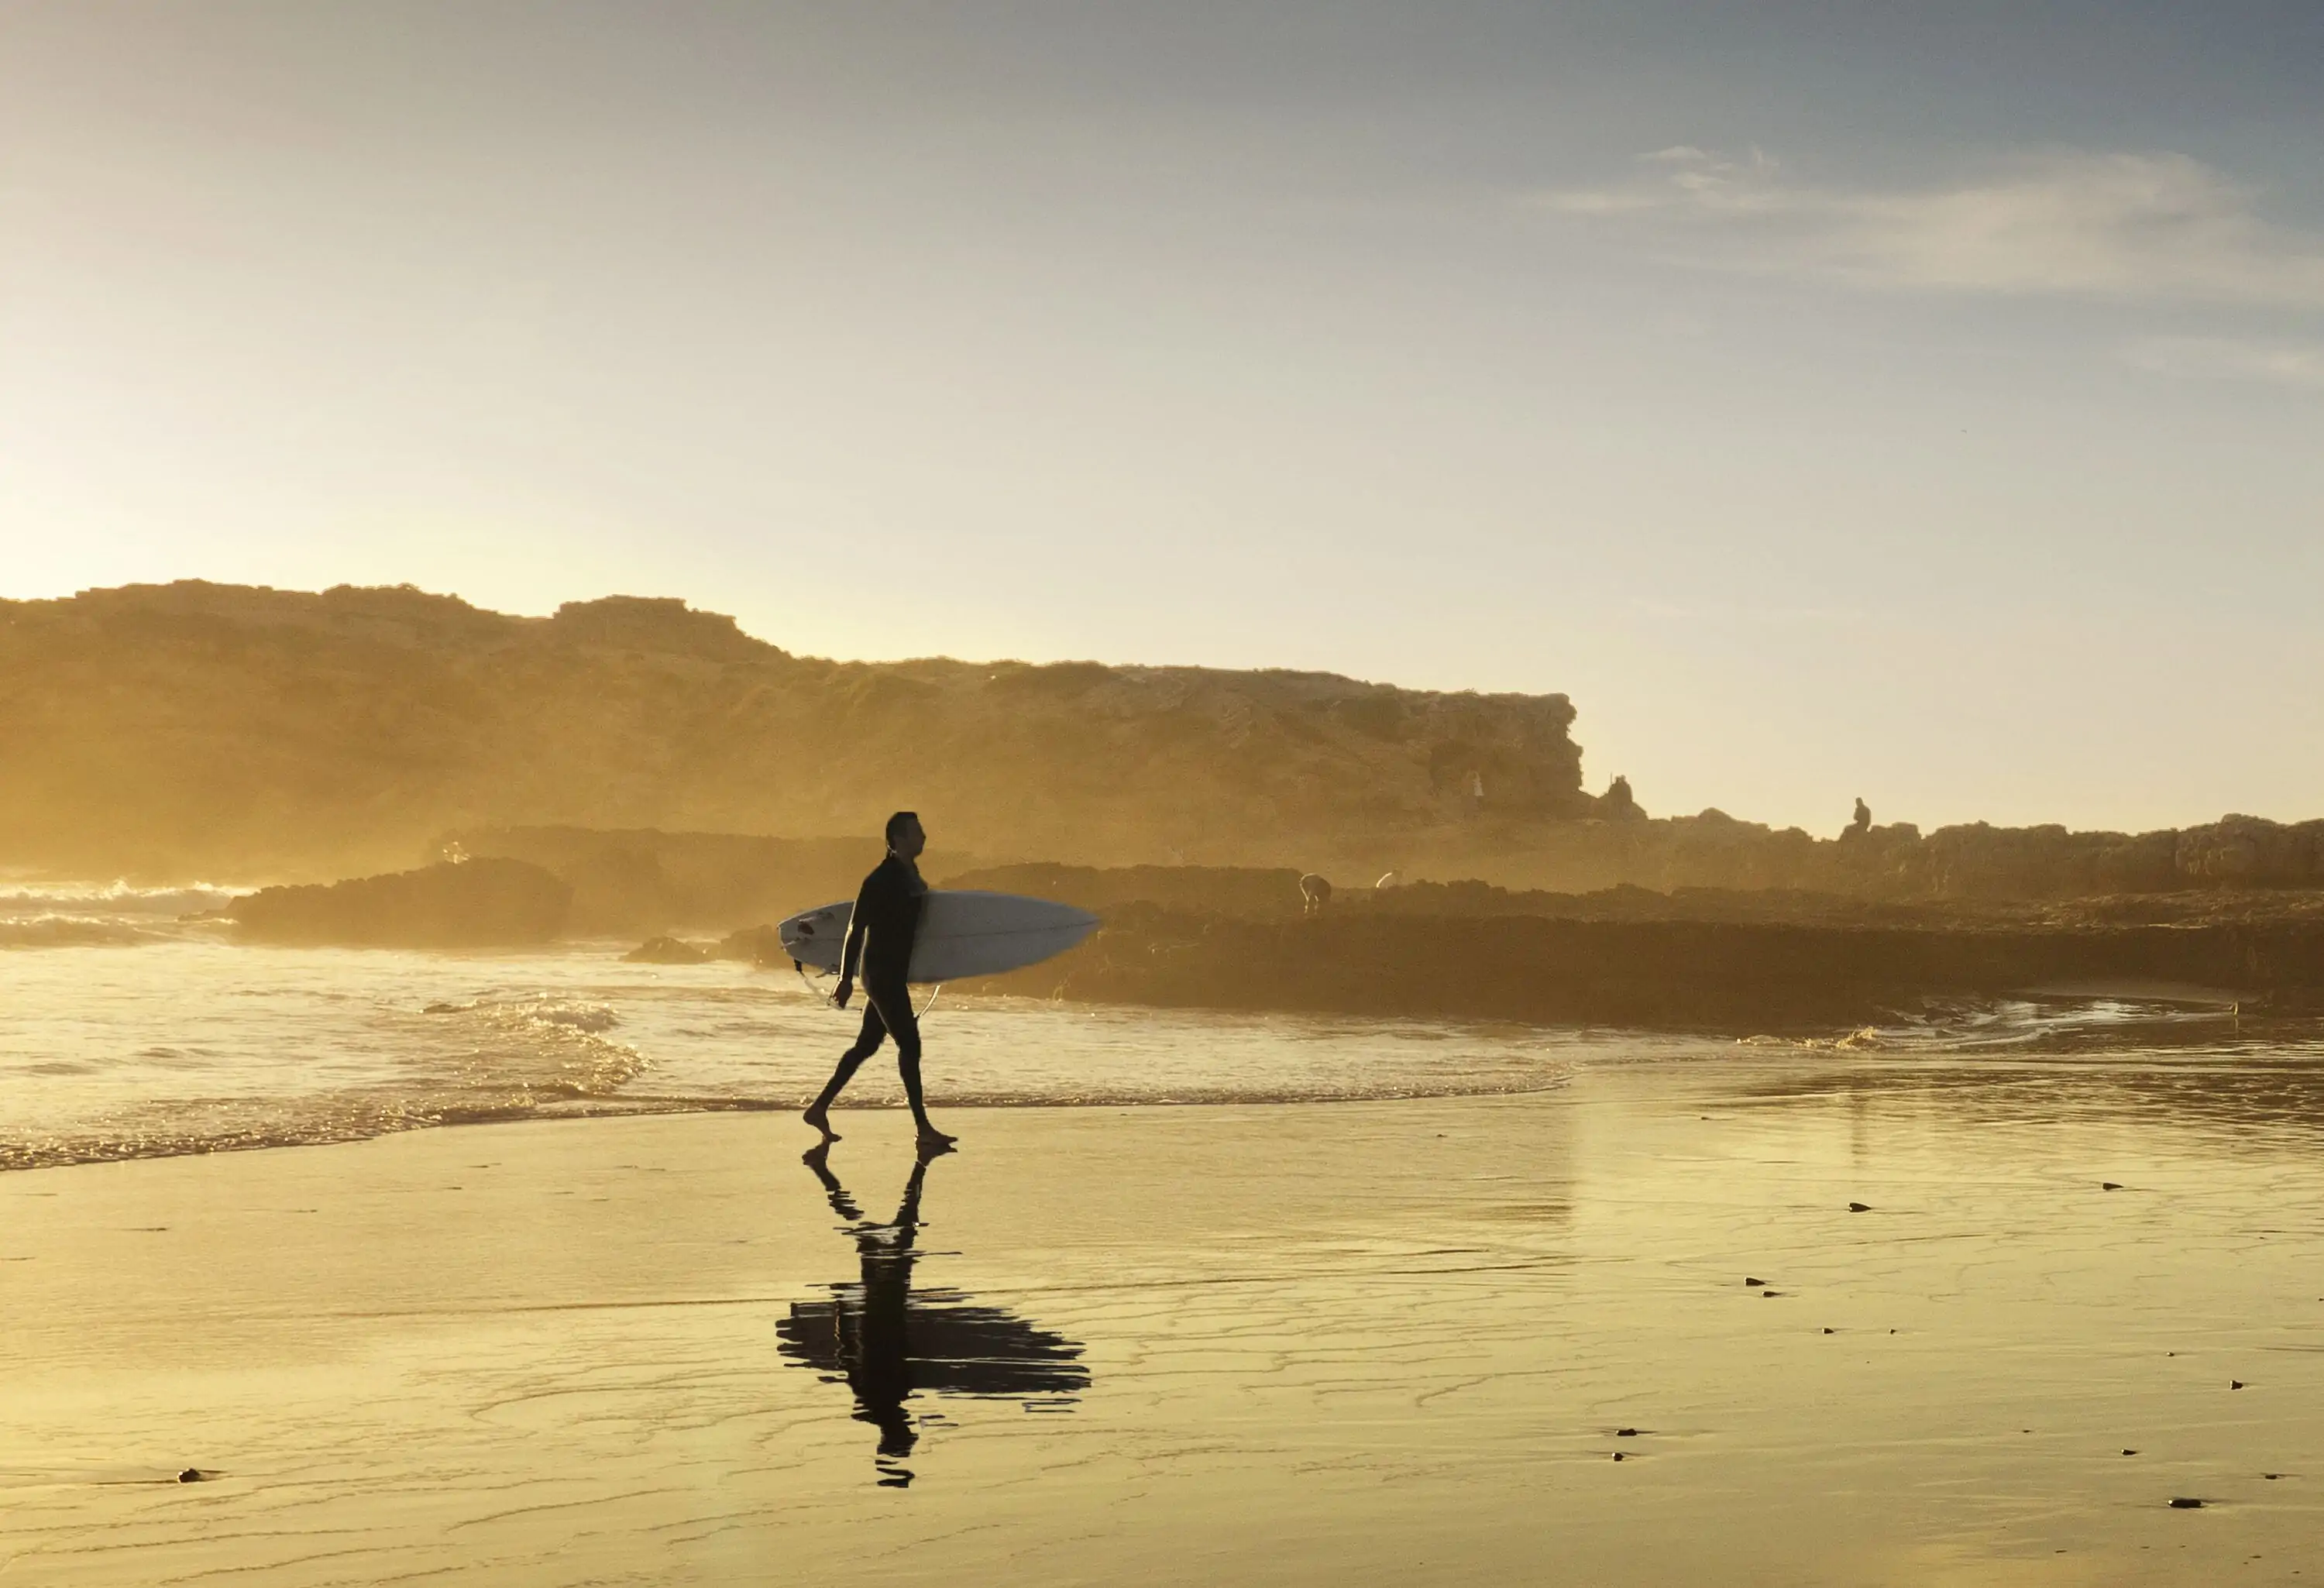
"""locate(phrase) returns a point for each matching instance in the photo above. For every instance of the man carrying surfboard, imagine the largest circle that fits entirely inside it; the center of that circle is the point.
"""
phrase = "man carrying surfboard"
(880, 934)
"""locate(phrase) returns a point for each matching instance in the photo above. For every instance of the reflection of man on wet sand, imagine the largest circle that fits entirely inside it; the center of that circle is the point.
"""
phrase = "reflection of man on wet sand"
(877, 1358)
(880, 934)
(891, 1341)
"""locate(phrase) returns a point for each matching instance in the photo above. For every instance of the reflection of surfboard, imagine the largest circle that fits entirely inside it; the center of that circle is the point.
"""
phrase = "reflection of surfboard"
(945, 1343)
(962, 933)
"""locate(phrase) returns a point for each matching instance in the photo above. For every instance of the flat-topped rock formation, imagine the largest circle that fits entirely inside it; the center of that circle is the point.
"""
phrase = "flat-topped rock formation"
(199, 728)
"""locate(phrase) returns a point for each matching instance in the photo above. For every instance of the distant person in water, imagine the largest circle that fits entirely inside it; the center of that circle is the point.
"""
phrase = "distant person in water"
(879, 933)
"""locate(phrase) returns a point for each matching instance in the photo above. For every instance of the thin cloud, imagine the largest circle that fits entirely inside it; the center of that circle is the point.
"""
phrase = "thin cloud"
(2299, 364)
(2126, 226)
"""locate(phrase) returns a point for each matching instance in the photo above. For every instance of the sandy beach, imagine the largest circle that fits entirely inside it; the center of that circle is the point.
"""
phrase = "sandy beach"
(1363, 1342)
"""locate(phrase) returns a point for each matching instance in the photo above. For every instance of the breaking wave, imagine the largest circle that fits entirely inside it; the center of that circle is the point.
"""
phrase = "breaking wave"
(71, 931)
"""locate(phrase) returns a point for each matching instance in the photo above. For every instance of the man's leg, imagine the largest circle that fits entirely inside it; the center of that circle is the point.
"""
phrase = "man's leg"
(895, 1004)
(867, 1043)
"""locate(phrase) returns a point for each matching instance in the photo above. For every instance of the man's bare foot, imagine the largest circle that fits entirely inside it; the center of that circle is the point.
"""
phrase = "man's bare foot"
(821, 1121)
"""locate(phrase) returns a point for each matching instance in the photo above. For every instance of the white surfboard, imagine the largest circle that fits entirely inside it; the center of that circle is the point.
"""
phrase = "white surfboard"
(962, 933)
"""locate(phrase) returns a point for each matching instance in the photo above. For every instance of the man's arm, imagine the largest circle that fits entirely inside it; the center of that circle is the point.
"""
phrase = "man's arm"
(851, 954)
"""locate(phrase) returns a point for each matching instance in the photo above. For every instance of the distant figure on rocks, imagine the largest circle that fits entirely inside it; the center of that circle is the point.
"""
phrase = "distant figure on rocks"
(1619, 803)
(1862, 823)
(880, 934)
(1476, 792)
(1315, 893)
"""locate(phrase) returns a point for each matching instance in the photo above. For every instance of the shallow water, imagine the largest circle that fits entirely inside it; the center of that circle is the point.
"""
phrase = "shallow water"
(128, 1031)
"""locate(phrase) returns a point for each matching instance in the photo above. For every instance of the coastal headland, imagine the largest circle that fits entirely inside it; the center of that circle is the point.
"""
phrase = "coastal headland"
(411, 770)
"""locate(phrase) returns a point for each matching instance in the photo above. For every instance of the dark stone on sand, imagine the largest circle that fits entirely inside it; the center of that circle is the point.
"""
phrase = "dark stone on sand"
(1832, 1331)
(2128, 1452)
(1755, 1284)
(2109, 1184)
(1626, 1433)
(1765, 1293)
(191, 1475)
(1618, 1455)
(2182, 1503)
(2271, 1477)
(1859, 1207)
(2234, 1383)
(665, 951)
(475, 904)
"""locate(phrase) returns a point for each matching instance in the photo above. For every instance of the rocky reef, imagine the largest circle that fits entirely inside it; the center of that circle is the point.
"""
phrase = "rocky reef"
(1730, 976)
(642, 880)
(492, 903)
(1973, 861)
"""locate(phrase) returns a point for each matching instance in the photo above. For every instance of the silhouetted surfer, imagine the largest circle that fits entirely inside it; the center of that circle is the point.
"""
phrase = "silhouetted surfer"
(879, 933)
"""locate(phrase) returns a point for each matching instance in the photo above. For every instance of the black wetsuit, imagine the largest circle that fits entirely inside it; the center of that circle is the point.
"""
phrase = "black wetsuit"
(879, 933)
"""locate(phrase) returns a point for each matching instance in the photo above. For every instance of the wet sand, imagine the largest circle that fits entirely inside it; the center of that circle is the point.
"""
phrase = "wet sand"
(1353, 1342)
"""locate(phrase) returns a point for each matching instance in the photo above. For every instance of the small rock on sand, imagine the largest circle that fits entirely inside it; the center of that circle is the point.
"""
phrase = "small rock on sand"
(191, 1475)
(1755, 1284)
(2182, 1503)
(1859, 1207)
(2109, 1184)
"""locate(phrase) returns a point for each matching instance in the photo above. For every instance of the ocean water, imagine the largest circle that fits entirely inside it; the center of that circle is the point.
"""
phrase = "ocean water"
(127, 1031)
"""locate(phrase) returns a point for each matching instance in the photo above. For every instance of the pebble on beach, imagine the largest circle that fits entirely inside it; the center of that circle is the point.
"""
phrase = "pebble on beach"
(2182, 1503)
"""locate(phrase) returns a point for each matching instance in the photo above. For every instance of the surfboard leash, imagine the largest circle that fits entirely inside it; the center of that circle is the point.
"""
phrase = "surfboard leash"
(809, 982)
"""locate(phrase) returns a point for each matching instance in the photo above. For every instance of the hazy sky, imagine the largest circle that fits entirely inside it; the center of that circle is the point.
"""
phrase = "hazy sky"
(1918, 400)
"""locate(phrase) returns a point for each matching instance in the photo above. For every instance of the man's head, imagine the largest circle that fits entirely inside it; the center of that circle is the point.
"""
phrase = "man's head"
(904, 836)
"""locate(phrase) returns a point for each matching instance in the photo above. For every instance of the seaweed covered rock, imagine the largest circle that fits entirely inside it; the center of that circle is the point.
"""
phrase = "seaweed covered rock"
(476, 904)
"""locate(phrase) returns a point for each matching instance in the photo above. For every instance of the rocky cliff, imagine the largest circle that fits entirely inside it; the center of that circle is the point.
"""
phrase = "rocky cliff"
(198, 727)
